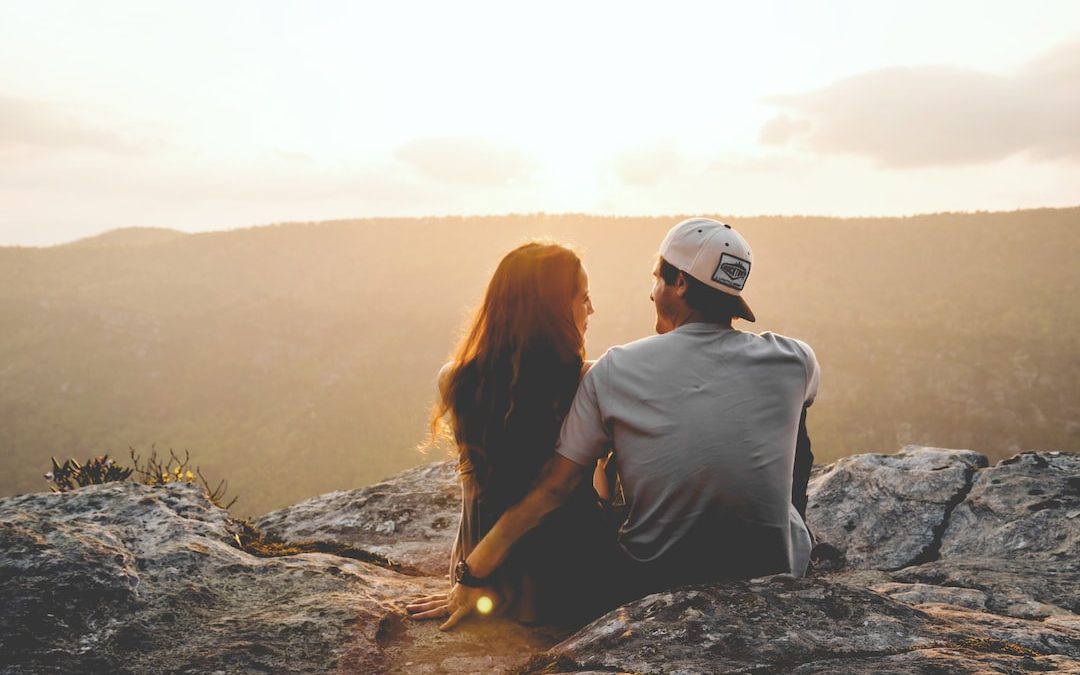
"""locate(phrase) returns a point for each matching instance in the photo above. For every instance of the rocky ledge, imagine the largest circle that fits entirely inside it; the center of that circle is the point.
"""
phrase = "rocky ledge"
(928, 561)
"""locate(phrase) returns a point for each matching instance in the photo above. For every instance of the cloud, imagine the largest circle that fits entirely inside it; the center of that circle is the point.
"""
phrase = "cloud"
(647, 164)
(465, 160)
(36, 125)
(49, 197)
(939, 116)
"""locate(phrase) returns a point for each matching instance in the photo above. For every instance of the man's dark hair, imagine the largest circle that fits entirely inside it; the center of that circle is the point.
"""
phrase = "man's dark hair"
(715, 306)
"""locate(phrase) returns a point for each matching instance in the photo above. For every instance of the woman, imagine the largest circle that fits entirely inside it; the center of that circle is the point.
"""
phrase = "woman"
(503, 398)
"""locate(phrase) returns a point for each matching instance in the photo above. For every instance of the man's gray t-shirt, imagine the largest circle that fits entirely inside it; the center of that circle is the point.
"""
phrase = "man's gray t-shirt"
(703, 421)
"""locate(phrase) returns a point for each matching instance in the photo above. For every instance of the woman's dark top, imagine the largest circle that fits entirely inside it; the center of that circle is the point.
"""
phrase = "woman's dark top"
(549, 573)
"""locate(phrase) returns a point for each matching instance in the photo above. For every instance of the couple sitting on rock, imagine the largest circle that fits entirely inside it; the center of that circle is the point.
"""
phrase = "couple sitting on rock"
(706, 425)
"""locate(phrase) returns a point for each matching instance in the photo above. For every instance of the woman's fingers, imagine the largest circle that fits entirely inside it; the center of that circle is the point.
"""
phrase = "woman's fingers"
(429, 598)
(425, 607)
(458, 615)
(456, 605)
(422, 604)
(436, 613)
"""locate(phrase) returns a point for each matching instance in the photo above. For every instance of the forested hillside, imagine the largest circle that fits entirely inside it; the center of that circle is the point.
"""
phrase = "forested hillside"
(299, 358)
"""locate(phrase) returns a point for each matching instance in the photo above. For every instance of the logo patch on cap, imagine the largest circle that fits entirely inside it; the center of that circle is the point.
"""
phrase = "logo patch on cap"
(732, 271)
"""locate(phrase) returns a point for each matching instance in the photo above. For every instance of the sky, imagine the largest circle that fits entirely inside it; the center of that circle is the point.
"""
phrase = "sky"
(215, 115)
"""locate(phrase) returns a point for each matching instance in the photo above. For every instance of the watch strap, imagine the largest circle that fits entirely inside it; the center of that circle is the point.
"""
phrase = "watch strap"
(466, 578)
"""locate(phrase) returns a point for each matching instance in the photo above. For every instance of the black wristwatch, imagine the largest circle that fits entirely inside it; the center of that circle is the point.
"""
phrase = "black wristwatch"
(463, 576)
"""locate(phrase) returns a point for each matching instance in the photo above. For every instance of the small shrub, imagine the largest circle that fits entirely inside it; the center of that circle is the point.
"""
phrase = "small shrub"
(71, 474)
(155, 471)
(175, 470)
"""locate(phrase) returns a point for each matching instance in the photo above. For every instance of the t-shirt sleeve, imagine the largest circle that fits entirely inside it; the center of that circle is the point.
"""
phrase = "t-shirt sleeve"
(813, 372)
(584, 437)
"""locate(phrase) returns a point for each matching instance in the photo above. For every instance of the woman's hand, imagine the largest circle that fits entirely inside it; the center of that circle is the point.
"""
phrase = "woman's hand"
(464, 600)
(458, 604)
(428, 607)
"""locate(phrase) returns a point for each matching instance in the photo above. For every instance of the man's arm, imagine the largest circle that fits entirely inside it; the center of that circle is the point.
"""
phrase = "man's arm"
(804, 462)
(582, 441)
(558, 479)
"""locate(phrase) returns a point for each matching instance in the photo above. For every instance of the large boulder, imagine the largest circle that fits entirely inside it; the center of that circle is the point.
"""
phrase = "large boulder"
(124, 577)
(888, 511)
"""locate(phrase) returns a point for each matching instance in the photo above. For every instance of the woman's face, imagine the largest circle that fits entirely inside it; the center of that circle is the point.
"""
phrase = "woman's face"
(582, 304)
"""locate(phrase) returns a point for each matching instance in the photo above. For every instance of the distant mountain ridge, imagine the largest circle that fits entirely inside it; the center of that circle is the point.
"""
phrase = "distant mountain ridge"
(129, 236)
(297, 359)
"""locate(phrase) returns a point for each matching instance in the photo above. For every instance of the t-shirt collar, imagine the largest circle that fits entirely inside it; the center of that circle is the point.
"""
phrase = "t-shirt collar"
(703, 327)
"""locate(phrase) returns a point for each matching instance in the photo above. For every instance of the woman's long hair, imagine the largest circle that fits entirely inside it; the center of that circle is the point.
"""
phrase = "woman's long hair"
(514, 374)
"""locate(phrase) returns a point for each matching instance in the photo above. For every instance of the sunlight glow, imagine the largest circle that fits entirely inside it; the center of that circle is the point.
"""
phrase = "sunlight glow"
(484, 605)
(339, 109)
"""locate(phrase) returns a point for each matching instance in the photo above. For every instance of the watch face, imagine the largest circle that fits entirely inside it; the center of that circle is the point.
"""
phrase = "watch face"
(460, 570)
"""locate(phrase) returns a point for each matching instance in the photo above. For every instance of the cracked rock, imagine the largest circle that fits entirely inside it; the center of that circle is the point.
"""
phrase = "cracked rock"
(1015, 511)
(888, 511)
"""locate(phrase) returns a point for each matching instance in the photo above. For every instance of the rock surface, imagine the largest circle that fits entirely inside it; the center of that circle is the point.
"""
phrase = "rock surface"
(951, 566)
(777, 624)
(1024, 508)
(888, 511)
(411, 519)
(129, 578)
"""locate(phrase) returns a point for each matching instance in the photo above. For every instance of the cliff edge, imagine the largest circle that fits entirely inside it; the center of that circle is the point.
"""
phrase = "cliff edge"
(928, 560)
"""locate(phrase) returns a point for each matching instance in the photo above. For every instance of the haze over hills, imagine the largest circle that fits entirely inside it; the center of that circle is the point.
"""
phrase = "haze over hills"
(299, 358)
(129, 236)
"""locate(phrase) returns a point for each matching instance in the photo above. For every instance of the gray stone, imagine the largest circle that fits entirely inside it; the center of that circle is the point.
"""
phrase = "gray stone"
(1025, 589)
(1010, 634)
(888, 511)
(128, 578)
(943, 661)
(1018, 510)
(921, 594)
(410, 519)
(775, 624)
(124, 577)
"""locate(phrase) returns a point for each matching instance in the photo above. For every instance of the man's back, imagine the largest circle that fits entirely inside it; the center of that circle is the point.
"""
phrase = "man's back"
(703, 420)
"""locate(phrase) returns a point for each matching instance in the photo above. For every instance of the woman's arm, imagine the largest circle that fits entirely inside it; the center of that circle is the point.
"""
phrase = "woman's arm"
(559, 478)
(431, 606)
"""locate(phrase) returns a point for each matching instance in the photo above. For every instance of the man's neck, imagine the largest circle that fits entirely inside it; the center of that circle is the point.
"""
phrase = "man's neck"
(697, 317)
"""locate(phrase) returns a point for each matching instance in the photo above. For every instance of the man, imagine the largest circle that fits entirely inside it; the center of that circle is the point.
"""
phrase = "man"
(703, 420)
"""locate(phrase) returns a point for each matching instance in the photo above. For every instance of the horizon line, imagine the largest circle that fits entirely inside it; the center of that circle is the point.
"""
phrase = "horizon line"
(520, 214)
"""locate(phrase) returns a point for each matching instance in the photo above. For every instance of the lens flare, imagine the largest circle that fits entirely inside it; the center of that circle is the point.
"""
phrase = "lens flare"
(484, 605)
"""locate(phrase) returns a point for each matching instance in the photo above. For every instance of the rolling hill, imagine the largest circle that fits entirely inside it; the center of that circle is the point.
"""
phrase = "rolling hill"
(299, 358)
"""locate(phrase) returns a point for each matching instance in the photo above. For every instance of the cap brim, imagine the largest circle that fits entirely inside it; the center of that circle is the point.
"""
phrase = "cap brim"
(744, 310)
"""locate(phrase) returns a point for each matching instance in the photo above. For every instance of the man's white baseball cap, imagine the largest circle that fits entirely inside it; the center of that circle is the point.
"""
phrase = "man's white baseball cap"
(713, 253)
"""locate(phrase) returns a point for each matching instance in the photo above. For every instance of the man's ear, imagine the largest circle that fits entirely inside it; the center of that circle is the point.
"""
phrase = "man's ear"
(681, 284)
